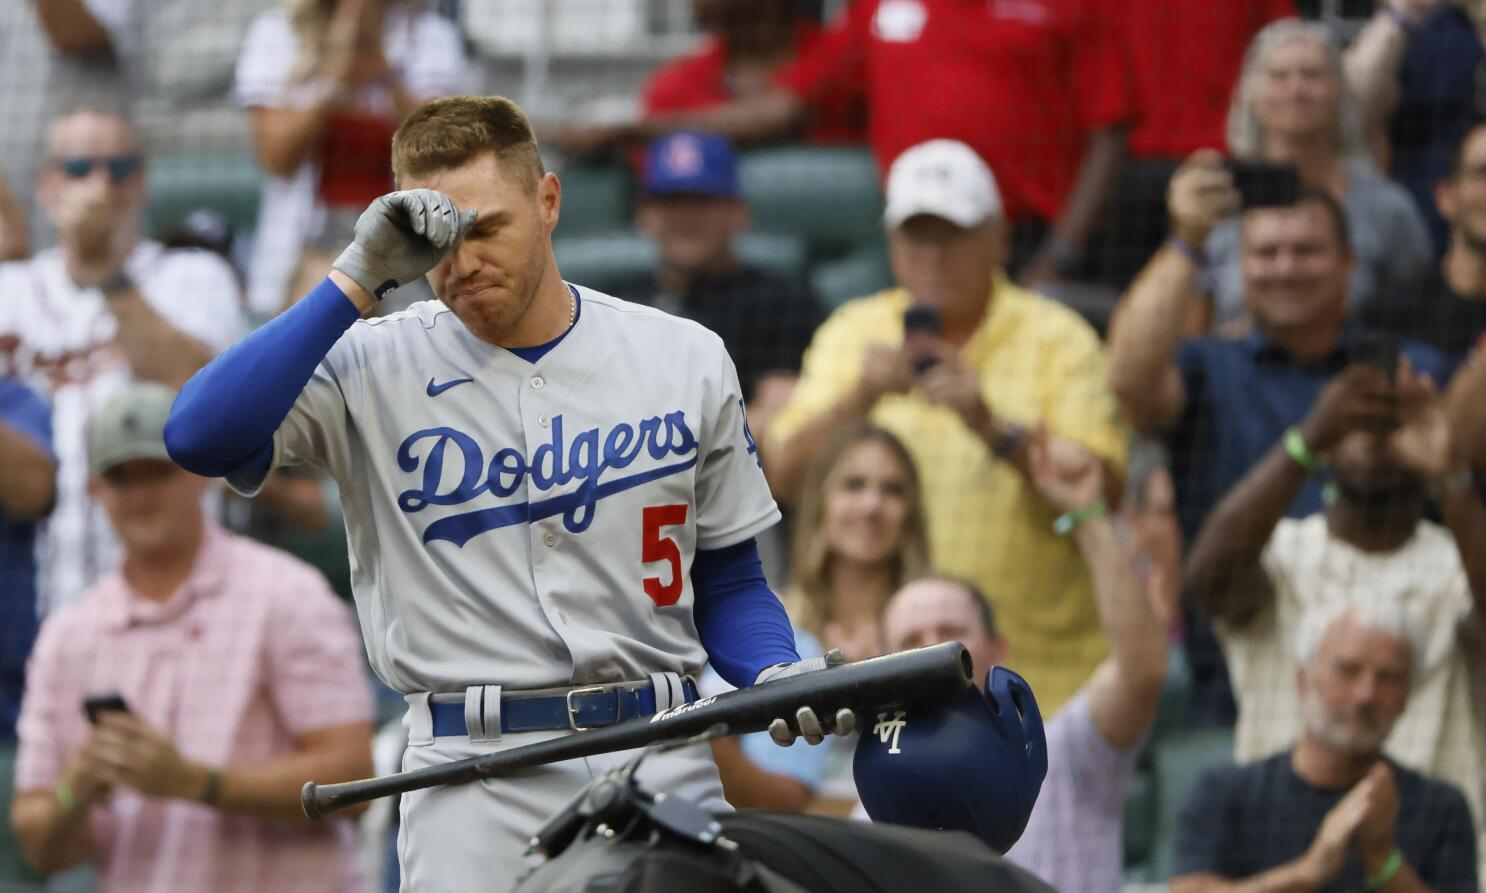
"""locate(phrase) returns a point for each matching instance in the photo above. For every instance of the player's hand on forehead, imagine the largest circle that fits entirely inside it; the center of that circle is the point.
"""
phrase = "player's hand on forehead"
(401, 236)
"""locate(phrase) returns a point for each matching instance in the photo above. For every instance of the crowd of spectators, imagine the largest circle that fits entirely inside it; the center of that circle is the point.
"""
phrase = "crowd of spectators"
(1165, 397)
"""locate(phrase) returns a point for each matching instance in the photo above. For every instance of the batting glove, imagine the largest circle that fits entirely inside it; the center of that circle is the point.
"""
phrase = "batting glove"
(401, 236)
(806, 723)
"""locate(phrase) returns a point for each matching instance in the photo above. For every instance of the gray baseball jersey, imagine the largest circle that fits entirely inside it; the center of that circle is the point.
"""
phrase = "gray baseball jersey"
(522, 524)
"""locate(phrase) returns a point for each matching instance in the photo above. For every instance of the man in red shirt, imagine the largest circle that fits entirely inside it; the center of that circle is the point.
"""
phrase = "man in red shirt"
(749, 43)
(1039, 88)
(1185, 58)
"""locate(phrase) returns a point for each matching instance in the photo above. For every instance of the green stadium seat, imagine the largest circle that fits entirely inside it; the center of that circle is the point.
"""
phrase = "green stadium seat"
(1140, 826)
(227, 183)
(595, 199)
(863, 272)
(1179, 762)
(829, 196)
(599, 261)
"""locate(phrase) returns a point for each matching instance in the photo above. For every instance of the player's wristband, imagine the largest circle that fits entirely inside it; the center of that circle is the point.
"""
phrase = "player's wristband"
(1296, 449)
(1069, 520)
(1385, 874)
(64, 797)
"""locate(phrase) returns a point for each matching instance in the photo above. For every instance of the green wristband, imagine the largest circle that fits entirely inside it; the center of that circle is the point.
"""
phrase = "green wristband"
(65, 798)
(1069, 520)
(1389, 869)
(1297, 450)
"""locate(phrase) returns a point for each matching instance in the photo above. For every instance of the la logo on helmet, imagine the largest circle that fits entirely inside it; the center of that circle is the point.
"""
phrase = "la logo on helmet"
(890, 728)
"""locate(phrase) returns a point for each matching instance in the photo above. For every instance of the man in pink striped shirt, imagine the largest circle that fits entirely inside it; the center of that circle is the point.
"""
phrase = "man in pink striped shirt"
(242, 677)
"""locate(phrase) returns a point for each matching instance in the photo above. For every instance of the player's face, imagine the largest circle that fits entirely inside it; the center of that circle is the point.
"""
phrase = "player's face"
(1295, 269)
(1297, 93)
(866, 505)
(928, 612)
(1462, 199)
(947, 266)
(1357, 687)
(694, 233)
(492, 276)
(153, 504)
(94, 167)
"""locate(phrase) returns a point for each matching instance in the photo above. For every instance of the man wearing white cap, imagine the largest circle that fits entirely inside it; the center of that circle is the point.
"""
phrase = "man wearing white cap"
(964, 366)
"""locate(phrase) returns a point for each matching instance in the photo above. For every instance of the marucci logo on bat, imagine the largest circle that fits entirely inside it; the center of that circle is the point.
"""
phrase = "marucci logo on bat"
(684, 708)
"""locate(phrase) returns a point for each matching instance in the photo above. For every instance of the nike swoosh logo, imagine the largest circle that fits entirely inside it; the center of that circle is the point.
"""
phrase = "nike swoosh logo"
(436, 389)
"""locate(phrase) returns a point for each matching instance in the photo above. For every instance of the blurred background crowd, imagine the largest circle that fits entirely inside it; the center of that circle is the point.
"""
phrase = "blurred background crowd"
(1129, 342)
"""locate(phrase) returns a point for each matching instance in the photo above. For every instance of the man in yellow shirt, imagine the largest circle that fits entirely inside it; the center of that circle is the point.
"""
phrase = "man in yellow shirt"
(984, 366)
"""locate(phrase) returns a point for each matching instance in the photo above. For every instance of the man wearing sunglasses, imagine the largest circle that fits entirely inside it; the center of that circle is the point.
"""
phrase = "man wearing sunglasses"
(102, 306)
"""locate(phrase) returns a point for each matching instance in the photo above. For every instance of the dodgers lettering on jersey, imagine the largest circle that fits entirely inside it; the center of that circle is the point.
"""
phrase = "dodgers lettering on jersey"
(592, 452)
(530, 525)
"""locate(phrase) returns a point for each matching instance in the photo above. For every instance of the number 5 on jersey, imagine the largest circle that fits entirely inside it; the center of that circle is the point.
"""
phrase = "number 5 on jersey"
(655, 547)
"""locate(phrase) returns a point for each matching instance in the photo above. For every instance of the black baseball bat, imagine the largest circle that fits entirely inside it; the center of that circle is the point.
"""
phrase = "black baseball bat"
(880, 683)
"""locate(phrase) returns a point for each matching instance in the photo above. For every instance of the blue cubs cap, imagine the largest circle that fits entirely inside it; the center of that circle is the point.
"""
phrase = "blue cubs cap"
(690, 163)
(974, 763)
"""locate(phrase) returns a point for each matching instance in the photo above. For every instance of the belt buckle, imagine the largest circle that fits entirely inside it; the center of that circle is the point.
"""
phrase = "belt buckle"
(573, 711)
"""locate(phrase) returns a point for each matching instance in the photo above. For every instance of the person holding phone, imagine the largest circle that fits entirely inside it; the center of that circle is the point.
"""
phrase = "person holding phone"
(172, 715)
(966, 369)
(1222, 403)
(1292, 108)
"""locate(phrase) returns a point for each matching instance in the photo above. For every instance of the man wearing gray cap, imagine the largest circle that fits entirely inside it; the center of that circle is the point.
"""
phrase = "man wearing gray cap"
(964, 366)
(173, 712)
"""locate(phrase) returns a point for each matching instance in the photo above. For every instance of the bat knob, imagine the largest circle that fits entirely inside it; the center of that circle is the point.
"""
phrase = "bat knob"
(309, 802)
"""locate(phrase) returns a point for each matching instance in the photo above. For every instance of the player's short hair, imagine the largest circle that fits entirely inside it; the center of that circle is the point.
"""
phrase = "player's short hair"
(453, 131)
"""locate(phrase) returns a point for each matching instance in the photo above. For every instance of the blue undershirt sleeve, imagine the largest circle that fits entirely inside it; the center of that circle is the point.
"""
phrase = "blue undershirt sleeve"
(742, 625)
(224, 418)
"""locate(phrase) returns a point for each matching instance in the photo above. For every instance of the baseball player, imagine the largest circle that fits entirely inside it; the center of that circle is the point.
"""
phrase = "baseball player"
(551, 495)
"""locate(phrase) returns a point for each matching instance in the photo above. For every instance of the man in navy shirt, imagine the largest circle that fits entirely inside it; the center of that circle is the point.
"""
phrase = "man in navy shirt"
(1223, 402)
(27, 488)
(1332, 813)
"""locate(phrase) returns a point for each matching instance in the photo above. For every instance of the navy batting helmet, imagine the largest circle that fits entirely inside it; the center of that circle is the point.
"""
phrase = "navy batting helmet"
(974, 763)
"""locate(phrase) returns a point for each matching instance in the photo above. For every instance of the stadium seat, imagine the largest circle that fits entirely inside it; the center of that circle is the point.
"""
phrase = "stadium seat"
(180, 184)
(599, 261)
(1140, 799)
(829, 196)
(1179, 761)
(595, 199)
(863, 272)
(1140, 827)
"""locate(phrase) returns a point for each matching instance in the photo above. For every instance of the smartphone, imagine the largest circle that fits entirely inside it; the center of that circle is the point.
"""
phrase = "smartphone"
(921, 324)
(1264, 185)
(1378, 349)
(98, 705)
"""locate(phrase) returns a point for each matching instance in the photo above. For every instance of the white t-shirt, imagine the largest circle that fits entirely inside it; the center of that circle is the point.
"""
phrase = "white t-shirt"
(1443, 731)
(428, 55)
(61, 340)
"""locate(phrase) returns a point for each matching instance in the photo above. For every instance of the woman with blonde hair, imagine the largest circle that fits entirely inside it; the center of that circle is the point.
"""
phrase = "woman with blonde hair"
(859, 535)
(326, 83)
(1293, 106)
